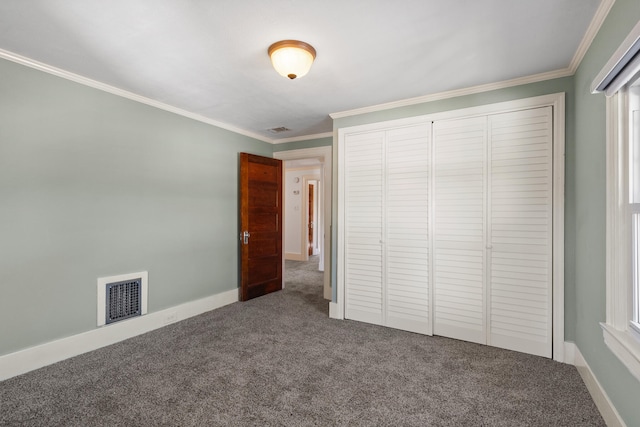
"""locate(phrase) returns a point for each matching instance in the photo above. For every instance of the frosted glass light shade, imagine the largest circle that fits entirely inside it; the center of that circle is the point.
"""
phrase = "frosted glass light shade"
(292, 58)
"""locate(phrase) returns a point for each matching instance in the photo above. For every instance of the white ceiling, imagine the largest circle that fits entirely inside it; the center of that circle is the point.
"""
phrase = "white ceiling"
(209, 57)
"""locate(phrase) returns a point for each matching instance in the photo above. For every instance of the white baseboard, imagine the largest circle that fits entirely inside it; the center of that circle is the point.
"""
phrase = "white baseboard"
(36, 357)
(294, 257)
(602, 401)
(335, 312)
(569, 353)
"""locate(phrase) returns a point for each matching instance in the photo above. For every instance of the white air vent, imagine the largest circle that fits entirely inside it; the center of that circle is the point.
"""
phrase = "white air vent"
(122, 297)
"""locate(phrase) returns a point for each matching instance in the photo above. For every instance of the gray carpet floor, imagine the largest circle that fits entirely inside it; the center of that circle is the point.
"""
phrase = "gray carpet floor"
(279, 360)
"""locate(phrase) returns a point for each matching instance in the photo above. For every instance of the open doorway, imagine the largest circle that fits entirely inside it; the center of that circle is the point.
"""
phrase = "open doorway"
(307, 209)
(303, 220)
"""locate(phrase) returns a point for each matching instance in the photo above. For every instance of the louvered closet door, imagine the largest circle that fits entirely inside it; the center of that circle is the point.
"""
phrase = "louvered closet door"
(459, 206)
(386, 184)
(521, 231)
(363, 183)
(407, 229)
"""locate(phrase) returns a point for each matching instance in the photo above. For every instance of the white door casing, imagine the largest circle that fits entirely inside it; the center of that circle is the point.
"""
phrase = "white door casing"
(324, 154)
(555, 314)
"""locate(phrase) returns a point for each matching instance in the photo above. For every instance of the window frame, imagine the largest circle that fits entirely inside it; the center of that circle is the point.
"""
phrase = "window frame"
(619, 334)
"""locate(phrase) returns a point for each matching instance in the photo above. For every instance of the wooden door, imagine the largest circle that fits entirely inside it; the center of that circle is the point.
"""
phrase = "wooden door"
(260, 225)
(311, 224)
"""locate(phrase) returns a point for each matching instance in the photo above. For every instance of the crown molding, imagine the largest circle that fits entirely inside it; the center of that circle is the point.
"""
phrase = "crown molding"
(22, 60)
(455, 93)
(592, 31)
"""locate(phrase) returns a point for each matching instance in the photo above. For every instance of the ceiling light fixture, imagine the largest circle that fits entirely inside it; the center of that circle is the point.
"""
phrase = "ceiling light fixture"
(292, 58)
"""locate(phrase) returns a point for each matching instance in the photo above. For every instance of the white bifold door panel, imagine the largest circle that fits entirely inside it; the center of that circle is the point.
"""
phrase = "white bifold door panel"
(363, 226)
(459, 148)
(386, 225)
(520, 234)
(407, 229)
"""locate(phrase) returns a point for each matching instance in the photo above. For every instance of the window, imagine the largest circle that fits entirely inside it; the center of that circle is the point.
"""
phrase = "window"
(620, 81)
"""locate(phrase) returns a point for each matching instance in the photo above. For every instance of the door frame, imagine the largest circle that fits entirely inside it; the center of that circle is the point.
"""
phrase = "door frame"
(324, 155)
(557, 101)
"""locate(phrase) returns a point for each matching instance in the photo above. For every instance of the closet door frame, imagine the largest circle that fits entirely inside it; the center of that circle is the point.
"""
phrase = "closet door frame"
(557, 101)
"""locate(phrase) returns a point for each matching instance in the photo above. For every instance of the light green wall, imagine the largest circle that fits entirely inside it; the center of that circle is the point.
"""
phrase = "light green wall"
(299, 145)
(524, 91)
(93, 185)
(589, 199)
